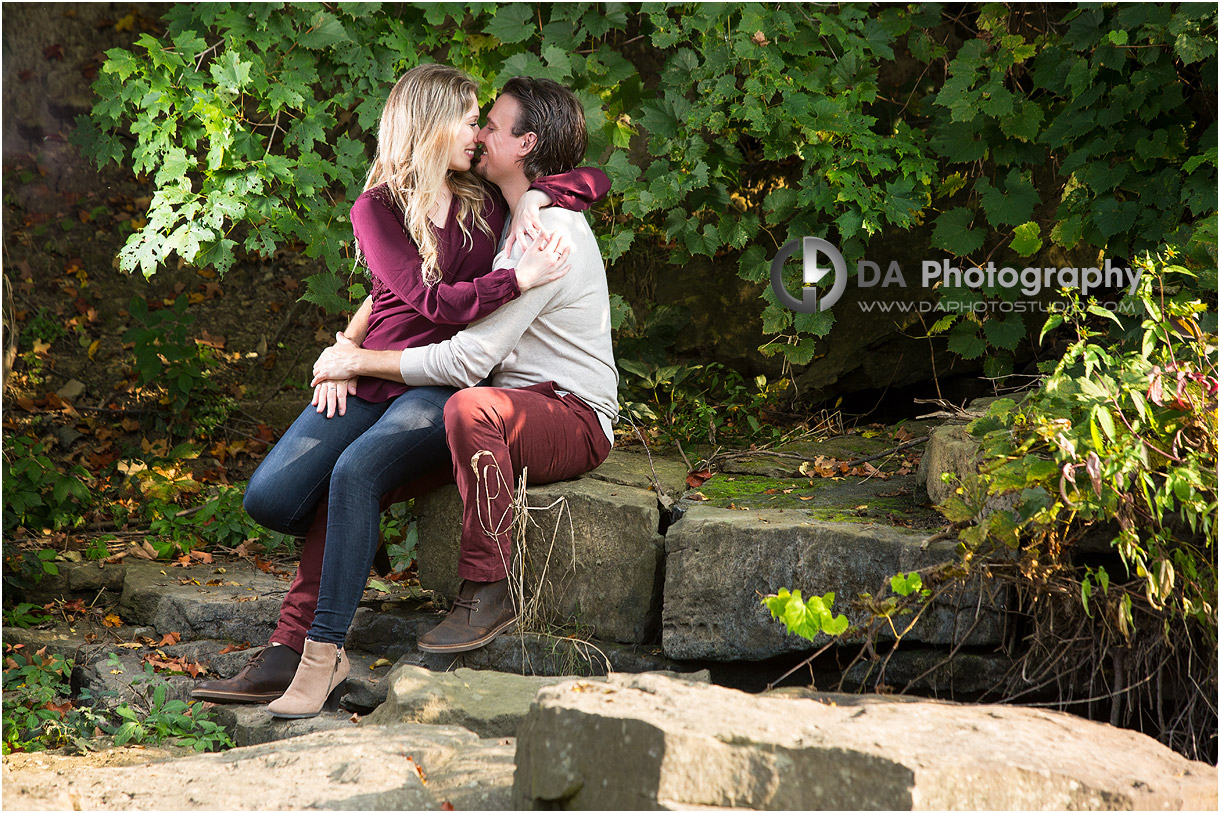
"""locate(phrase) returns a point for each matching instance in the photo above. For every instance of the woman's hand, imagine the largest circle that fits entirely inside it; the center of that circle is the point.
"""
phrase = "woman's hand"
(334, 375)
(332, 396)
(526, 223)
(546, 260)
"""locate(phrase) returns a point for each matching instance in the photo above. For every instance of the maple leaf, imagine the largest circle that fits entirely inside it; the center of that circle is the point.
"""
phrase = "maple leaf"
(695, 479)
(170, 638)
(235, 648)
(112, 620)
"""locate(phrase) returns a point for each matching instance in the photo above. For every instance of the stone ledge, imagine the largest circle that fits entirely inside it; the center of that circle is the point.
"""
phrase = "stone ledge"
(719, 561)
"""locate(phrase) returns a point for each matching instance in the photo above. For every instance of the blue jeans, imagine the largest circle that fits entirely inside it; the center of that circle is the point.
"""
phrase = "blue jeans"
(356, 458)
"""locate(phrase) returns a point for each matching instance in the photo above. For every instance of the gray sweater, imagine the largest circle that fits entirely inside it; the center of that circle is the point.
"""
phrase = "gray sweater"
(556, 332)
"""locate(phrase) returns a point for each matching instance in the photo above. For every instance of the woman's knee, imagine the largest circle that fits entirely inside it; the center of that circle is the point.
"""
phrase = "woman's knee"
(265, 502)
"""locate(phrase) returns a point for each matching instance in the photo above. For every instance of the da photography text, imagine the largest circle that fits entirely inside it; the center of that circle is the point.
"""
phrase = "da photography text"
(1031, 280)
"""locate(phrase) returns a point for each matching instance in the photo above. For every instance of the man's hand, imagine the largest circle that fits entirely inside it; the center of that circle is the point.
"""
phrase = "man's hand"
(544, 261)
(526, 223)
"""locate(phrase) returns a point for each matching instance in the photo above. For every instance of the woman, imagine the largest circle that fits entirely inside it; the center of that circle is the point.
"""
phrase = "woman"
(426, 228)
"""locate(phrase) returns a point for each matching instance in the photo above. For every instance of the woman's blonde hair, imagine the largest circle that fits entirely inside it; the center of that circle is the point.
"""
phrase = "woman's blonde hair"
(414, 142)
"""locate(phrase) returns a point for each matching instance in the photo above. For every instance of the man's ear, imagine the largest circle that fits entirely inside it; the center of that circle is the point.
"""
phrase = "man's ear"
(526, 144)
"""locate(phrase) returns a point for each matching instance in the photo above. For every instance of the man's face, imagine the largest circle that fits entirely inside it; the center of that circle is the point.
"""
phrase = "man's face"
(502, 151)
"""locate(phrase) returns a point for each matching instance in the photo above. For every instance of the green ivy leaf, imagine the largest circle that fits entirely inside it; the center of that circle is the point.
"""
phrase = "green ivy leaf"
(1026, 239)
(325, 31)
(953, 234)
(513, 22)
(1014, 205)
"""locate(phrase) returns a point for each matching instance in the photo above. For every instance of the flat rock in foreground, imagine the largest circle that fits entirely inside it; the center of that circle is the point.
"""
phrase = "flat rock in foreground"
(667, 744)
(402, 767)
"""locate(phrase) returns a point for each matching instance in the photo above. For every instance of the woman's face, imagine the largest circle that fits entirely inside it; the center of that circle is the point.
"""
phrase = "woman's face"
(462, 157)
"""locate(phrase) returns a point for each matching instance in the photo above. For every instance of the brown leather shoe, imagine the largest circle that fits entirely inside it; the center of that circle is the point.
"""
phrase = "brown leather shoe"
(265, 677)
(481, 611)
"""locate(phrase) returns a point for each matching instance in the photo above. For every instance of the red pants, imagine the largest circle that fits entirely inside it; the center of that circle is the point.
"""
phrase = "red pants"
(494, 433)
(296, 612)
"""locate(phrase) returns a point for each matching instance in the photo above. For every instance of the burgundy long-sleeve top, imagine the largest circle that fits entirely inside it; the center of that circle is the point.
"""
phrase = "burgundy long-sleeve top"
(408, 313)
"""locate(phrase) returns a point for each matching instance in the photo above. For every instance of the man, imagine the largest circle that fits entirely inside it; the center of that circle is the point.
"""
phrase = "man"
(554, 394)
(550, 409)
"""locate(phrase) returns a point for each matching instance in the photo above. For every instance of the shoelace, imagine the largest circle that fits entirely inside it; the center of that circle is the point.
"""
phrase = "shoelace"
(471, 604)
(255, 661)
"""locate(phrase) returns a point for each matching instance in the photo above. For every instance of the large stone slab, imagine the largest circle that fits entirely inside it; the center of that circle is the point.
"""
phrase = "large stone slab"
(647, 742)
(719, 561)
(597, 558)
(402, 767)
(240, 604)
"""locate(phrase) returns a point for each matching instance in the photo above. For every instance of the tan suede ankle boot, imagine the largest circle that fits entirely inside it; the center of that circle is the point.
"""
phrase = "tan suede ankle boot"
(318, 682)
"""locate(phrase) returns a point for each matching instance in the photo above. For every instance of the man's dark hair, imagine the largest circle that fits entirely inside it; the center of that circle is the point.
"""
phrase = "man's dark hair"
(554, 114)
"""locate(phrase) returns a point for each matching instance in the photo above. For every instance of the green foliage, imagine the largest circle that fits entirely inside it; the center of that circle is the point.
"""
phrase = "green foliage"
(726, 129)
(806, 618)
(690, 401)
(170, 720)
(42, 326)
(1120, 435)
(168, 358)
(37, 494)
(40, 712)
(401, 535)
(24, 615)
(1106, 100)
(905, 584)
(37, 715)
(220, 521)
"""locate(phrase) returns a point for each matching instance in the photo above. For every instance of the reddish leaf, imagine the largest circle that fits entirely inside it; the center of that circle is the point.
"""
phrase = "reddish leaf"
(235, 648)
(217, 342)
(170, 638)
(55, 51)
(695, 479)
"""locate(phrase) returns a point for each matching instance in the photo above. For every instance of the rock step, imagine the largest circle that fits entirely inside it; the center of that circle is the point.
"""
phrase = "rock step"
(602, 558)
(399, 767)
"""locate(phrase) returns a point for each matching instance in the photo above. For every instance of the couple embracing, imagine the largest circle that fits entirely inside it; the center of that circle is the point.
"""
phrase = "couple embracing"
(396, 408)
